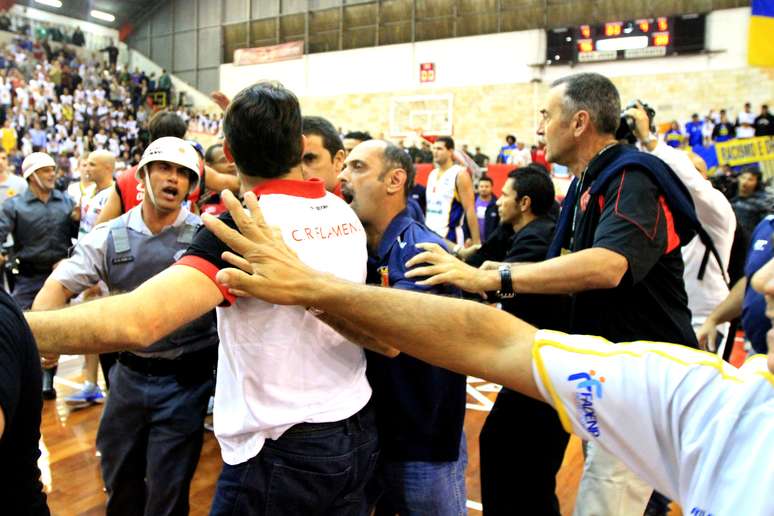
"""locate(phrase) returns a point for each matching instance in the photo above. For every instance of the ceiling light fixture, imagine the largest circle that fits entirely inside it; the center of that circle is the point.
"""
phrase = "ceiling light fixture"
(102, 15)
(50, 3)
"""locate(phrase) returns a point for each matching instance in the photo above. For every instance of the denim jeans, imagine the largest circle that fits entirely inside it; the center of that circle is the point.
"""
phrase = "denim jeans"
(312, 469)
(415, 487)
(150, 437)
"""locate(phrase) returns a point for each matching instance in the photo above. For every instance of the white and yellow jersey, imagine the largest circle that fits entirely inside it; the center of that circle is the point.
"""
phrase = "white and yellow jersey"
(444, 211)
(696, 428)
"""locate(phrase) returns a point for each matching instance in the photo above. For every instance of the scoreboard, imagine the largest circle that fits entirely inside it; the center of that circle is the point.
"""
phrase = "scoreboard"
(645, 37)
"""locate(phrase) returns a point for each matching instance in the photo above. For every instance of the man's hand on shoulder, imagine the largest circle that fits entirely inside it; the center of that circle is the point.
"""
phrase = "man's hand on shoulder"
(439, 267)
(265, 267)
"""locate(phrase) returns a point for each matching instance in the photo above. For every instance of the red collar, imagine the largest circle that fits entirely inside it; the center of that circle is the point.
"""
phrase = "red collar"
(311, 189)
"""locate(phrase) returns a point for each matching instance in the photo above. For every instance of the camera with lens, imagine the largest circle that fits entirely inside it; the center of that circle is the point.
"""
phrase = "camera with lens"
(626, 127)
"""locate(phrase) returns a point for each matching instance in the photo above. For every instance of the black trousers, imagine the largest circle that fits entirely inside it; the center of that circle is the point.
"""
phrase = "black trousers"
(522, 447)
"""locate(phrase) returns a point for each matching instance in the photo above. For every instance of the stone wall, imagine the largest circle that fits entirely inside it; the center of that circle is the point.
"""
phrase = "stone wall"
(483, 115)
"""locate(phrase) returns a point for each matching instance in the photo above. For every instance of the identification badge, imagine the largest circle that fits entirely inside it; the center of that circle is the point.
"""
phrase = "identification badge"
(122, 259)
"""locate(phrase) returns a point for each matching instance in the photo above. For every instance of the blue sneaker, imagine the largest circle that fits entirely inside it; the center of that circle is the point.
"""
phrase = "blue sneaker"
(89, 395)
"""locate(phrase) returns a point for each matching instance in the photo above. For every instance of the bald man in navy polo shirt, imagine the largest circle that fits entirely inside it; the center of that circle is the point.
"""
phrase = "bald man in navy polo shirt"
(420, 408)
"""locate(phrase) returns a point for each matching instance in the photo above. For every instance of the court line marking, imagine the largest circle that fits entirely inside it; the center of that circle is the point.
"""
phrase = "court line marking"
(470, 504)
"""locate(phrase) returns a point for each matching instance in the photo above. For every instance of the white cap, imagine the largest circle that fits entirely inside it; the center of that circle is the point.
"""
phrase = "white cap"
(35, 161)
(174, 150)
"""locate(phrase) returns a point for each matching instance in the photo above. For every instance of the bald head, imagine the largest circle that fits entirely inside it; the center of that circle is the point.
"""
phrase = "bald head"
(699, 163)
(99, 167)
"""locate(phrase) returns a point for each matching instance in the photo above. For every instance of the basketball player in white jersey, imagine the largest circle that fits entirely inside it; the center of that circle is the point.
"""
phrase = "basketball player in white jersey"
(450, 197)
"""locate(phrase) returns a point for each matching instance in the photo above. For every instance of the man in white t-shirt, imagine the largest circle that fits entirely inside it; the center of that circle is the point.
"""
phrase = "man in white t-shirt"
(692, 426)
(292, 412)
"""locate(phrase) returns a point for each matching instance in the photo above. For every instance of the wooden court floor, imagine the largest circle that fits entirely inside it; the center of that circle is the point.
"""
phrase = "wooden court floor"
(70, 464)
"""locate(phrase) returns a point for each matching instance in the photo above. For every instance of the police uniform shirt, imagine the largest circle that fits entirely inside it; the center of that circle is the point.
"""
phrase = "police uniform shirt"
(692, 426)
(420, 408)
(41, 230)
(280, 365)
(87, 265)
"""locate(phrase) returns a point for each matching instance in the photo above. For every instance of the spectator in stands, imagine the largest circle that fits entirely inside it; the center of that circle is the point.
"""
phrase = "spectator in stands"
(706, 130)
(724, 130)
(764, 123)
(481, 159)
(693, 131)
(423, 453)
(486, 207)
(5, 22)
(38, 137)
(112, 53)
(507, 151)
(450, 196)
(8, 137)
(165, 85)
(745, 122)
(751, 203)
(78, 39)
(674, 137)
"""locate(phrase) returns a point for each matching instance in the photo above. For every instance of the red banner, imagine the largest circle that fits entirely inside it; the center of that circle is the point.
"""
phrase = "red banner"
(272, 54)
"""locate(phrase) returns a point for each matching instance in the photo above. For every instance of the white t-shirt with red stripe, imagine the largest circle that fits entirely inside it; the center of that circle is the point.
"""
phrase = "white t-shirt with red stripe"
(279, 365)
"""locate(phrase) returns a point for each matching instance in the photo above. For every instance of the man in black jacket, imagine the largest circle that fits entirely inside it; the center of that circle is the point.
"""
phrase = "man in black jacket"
(524, 235)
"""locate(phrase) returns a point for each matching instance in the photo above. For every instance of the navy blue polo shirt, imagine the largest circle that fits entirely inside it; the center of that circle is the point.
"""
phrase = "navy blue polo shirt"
(420, 408)
(754, 320)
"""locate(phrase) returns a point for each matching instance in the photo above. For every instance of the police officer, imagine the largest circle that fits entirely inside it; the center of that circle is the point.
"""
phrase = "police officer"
(151, 431)
(41, 221)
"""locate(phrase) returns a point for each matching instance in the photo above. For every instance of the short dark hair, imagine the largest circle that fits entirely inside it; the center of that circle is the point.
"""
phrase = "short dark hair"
(363, 136)
(510, 137)
(395, 157)
(594, 93)
(753, 170)
(209, 155)
(486, 178)
(535, 183)
(321, 127)
(263, 129)
(166, 123)
(447, 141)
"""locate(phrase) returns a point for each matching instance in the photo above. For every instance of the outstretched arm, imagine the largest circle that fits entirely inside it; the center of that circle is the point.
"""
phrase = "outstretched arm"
(172, 298)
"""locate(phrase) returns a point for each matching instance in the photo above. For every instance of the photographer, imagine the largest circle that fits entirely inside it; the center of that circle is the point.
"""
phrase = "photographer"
(619, 237)
(705, 281)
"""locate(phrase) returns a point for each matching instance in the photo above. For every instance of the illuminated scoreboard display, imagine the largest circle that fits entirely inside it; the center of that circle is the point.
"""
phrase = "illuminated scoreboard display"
(633, 39)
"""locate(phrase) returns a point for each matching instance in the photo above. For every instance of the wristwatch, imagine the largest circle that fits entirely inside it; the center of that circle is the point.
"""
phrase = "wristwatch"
(506, 283)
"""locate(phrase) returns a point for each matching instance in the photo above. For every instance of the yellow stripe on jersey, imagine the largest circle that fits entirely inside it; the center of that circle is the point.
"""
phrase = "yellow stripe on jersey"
(682, 355)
